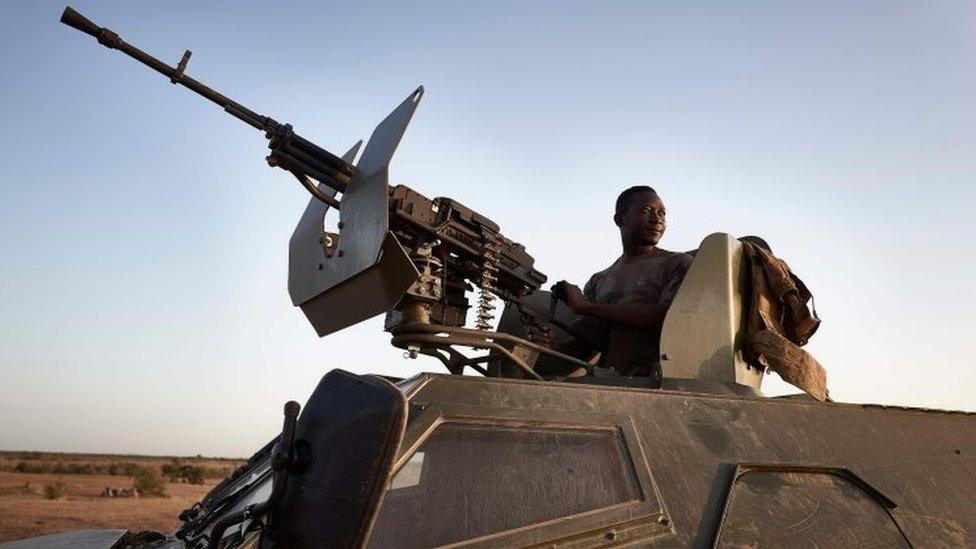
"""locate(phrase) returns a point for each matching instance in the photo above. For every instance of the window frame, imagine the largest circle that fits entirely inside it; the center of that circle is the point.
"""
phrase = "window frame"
(645, 515)
(845, 474)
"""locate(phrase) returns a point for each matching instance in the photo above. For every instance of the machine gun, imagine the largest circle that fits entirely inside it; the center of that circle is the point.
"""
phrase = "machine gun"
(396, 251)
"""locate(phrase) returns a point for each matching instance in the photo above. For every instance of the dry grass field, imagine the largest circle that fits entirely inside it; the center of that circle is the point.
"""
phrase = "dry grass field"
(28, 509)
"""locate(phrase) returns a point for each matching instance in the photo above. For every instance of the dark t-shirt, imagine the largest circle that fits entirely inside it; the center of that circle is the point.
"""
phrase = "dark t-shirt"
(652, 279)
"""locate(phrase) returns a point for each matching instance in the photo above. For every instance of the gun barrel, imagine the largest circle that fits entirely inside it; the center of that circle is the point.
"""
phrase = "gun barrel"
(289, 151)
(111, 40)
(74, 19)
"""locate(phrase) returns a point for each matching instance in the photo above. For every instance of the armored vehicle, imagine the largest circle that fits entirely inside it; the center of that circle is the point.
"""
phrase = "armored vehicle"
(531, 453)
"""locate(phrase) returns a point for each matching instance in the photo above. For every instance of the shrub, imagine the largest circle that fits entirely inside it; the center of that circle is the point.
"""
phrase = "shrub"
(149, 482)
(194, 474)
(60, 468)
(219, 472)
(25, 467)
(55, 490)
(173, 469)
(178, 471)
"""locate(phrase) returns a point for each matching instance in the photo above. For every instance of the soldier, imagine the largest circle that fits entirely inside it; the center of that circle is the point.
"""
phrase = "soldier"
(622, 307)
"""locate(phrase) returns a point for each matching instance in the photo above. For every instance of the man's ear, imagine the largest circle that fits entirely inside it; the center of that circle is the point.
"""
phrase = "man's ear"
(618, 220)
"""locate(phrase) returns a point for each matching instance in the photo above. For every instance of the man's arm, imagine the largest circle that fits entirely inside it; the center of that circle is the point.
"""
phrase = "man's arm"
(645, 317)
(648, 318)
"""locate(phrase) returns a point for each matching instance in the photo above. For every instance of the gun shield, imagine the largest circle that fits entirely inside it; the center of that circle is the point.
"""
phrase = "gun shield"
(370, 271)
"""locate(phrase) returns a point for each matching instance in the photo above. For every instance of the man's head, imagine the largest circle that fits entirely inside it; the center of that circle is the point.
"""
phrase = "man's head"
(640, 215)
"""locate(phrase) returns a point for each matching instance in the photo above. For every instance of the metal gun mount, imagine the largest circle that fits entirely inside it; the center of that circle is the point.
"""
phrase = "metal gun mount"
(413, 258)
(396, 250)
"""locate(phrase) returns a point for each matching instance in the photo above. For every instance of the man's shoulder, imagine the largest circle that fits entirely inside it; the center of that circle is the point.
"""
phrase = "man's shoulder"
(604, 272)
(660, 259)
(668, 265)
(680, 259)
(600, 275)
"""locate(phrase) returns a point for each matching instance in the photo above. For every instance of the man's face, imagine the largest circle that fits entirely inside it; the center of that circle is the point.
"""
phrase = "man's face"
(643, 222)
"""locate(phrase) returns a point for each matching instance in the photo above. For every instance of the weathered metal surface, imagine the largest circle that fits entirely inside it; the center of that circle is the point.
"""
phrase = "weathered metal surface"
(79, 539)
(807, 506)
(366, 294)
(688, 447)
(345, 444)
(704, 331)
(493, 462)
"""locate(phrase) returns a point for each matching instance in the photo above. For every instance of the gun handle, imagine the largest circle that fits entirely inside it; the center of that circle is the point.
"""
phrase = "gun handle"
(557, 294)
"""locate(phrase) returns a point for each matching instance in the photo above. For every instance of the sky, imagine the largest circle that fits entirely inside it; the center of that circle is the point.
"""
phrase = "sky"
(143, 299)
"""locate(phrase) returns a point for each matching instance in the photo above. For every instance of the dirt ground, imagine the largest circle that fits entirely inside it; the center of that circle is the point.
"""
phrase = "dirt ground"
(25, 512)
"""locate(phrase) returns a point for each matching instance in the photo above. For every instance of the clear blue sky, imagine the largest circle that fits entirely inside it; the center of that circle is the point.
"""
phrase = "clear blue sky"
(143, 305)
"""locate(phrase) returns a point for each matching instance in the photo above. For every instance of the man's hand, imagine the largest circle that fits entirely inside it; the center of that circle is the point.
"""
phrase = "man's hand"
(542, 335)
(575, 298)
